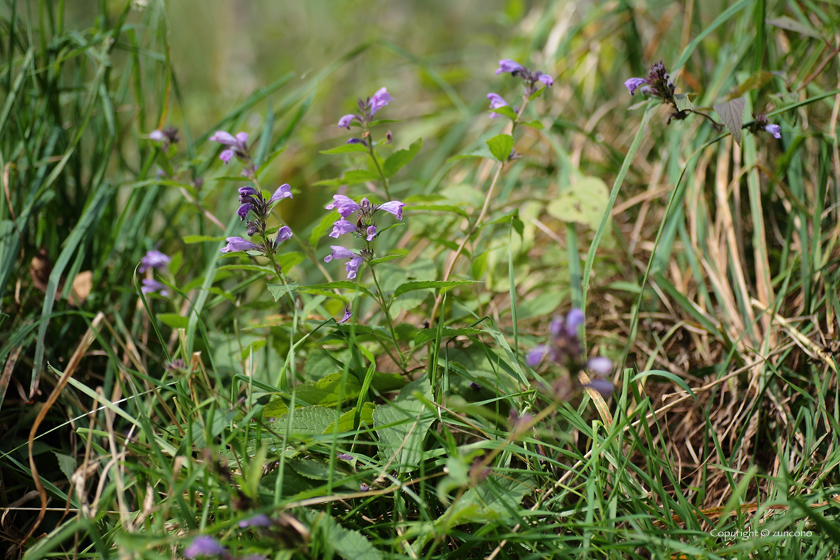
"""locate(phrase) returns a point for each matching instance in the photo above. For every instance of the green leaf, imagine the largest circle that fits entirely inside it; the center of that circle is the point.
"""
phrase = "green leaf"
(352, 177)
(250, 267)
(322, 228)
(683, 101)
(174, 320)
(307, 420)
(255, 346)
(279, 290)
(584, 203)
(66, 463)
(422, 285)
(337, 285)
(269, 160)
(288, 260)
(402, 426)
(191, 239)
(441, 208)
(482, 152)
(505, 111)
(346, 420)
(790, 24)
(732, 115)
(386, 258)
(401, 158)
(533, 124)
(323, 392)
(347, 149)
(349, 544)
(497, 497)
(500, 146)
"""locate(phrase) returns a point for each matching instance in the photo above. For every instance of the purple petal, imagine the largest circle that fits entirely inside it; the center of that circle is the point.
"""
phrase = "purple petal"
(633, 84)
(371, 233)
(156, 136)
(259, 520)
(546, 79)
(604, 387)
(344, 456)
(353, 266)
(347, 314)
(343, 204)
(153, 259)
(248, 191)
(283, 191)
(341, 227)
(394, 207)
(339, 252)
(508, 66)
(379, 100)
(283, 234)
(150, 286)
(235, 244)
(536, 355)
(226, 156)
(574, 319)
(555, 328)
(356, 141)
(600, 365)
(204, 546)
(344, 122)
(223, 137)
(242, 138)
(774, 129)
(364, 487)
(243, 211)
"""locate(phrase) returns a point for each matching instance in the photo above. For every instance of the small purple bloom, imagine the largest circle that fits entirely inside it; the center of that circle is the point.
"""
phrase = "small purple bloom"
(237, 146)
(496, 101)
(546, 79)
(226, 156)
(353, 264)
(341, 227)
(536, 355)
(150, 285)
(259, 520)
(247, 191)
(393, 207)
(223, 137)
(344, 122)
(774, 129)
(235, 244)
(344, 456)
(156, 136)
(508, 66)
(604, 387)
(153, 259)
(379, 100)
(243, 211)
(474, 386)
(204, 546)
(347, 314)
(574, 319)
(600, 365)
(344, 205)
(283, 234)
(356, 141)
(283, 191)
(633, 84)
(371, 233)
(364, 487)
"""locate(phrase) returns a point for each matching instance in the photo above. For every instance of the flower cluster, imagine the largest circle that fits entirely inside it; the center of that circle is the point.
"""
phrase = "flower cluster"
(167, 136)
(658, 84)
(532, 80)
(363, 227)
(367, 108)
(760, 123)
(236, 146)
(153, 260)
(564, 348)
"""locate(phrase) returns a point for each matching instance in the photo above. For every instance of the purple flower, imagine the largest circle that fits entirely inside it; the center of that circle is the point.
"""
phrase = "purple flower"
(347, 314)
(344, 122)
(393, 207)
(604, 387)
(574, 319)
(536, 355)
(341, 227)
(343, 204)
(371, 233)
(237, 146)
(496, 102)
(226, 156)
(379, 100)
(283, 191)
(474, 386)
(235, 244)
(356, 141)
(204, 546)
(150, 286)
(243, 211)
(259, 520)
(353, 264)
(344, 456)
(245, 192)
(600, 365)
(633, 84)
(156, 136)
(508, 66)
(364, 487)
(283, 234)
(774, 129)
(546, 79)
(153, 259)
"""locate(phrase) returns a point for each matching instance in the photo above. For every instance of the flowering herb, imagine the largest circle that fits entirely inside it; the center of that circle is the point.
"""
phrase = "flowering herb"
(354, 260)
(367, 109)
(236, 146)
(153, 259)
(532, 80)
(151, 285)
(761, 124)
(496, 102)
(204, 546)
(564, 348)
(363, 226)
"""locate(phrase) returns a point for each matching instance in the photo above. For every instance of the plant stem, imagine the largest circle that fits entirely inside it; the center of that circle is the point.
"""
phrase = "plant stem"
(378, 168)
(385, 309)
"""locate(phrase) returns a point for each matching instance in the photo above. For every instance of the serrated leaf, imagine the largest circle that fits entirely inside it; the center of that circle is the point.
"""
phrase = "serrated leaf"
(66, 463)
(422, 285)
(426, 335)
(505, 111)
(352, 177)
(500, 146)
(279, 290)
(346, 422)
(683, 101)
(790, 24)
(584, 203)
(401, 158)
(732, 115)
(173, 320)
(347, 149)
(402, 426)
(307, 420)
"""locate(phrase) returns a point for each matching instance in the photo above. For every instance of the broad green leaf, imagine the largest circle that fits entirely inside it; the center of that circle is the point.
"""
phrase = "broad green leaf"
(401, 158)
(174, 320)
(497, 497)
(346, 420)
(250, 267)
(349, 544)
(584, 203)
(323, 392)
(385, 259)
(322, 228)
(500, 146)
(732, 115)
(254, 347)
(288, 260)
(279, 290)
(422, 285)
(353, 177)
(683, 101)
(533, 124)
(505, 111)
(347, 149)
(66, 463)
(402, 426)
(441, 208)
(307, 420)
